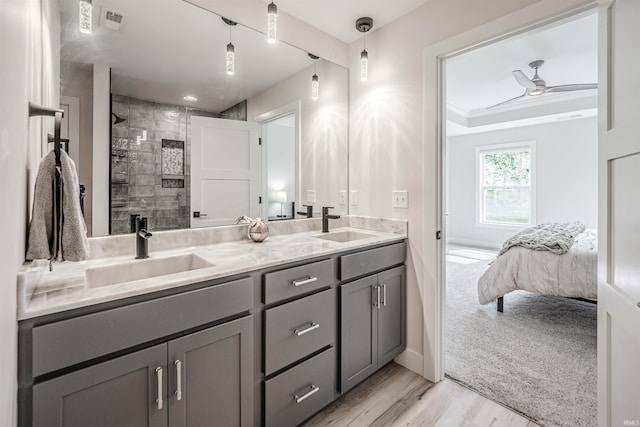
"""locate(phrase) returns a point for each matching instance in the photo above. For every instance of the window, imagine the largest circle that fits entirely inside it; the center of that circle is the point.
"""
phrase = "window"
(506, 193)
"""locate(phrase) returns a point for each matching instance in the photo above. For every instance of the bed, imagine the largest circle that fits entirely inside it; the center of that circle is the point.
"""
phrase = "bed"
(570, 272)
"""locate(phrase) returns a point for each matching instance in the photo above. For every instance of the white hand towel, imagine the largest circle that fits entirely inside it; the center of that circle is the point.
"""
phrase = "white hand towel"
(73, 244)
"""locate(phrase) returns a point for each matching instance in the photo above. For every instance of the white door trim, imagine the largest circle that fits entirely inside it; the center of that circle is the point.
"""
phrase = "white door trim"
(537, 15)
(295, 108)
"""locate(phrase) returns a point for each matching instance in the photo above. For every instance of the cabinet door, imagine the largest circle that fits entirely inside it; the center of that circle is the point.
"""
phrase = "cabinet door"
(391, 315)
(121, 392)
(359, 338)
(210, 380)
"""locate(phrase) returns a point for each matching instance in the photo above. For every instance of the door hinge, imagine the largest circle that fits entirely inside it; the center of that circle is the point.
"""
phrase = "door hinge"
(438, 235)
(259, 141)
(260, 199)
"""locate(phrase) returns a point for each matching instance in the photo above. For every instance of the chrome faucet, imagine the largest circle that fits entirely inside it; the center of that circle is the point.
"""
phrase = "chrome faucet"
(326, 217)
(142, 238)
(308, 213)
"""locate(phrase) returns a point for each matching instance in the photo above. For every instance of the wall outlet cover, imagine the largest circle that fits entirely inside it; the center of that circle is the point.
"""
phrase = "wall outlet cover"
(400, 199)
(311, 196)
(354, 197)
(342, 198)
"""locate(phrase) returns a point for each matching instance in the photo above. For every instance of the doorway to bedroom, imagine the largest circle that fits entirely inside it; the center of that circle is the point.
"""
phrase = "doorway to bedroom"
(521, 157)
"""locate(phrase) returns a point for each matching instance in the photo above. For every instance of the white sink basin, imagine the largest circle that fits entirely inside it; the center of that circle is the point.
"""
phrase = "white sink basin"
(344, 236)
(143, 269)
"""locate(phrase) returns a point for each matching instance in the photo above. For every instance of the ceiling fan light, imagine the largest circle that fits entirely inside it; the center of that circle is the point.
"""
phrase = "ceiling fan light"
(539, 90)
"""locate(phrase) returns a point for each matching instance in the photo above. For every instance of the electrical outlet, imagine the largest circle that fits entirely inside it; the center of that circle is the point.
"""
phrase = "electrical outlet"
(342, 198)
(354, 198)
(400, 199)
(311, 196)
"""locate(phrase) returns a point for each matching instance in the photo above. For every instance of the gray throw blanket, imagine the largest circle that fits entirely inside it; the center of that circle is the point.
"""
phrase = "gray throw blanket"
(555, 237)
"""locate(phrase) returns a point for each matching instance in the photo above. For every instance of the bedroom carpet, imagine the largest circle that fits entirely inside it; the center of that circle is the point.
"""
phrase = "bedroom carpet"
(537, 358)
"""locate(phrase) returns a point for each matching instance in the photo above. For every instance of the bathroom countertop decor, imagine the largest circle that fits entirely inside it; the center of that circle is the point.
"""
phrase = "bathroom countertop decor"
(43, 292)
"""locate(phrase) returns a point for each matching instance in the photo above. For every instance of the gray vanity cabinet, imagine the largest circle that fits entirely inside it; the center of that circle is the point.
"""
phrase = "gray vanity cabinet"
(120, 392)
(195, 380)
(373, 325)
(211, 376)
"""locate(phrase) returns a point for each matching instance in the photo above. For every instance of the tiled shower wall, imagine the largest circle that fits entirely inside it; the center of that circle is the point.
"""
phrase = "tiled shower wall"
(136, 165)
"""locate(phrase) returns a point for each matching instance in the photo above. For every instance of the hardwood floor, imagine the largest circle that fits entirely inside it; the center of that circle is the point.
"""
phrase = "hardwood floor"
(396, 396)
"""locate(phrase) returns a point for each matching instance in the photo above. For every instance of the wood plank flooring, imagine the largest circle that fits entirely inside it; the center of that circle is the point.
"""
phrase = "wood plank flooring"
(396, 396)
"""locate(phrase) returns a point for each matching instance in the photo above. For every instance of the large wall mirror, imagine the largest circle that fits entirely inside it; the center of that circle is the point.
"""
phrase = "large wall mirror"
(158, 127)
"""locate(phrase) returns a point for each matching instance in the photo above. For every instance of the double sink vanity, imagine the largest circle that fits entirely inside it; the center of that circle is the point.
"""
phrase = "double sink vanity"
(212, 327)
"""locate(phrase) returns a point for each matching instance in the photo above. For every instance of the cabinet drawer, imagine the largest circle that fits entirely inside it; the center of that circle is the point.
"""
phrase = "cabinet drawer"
(300, 392)
(101, 333)
(297, 280)
(298, 328)
(377, 259)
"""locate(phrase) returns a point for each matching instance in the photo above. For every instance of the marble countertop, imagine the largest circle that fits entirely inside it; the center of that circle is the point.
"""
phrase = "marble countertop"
(41, 291)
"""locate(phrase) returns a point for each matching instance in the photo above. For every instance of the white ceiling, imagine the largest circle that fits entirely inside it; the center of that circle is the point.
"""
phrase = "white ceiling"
(338, 17)
(483, 77)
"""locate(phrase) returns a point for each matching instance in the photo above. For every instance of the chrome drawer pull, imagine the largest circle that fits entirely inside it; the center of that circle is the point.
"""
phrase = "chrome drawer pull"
(159, 375)
(305, 281)
(311, 392)
(300, 332)
(178, 379)
(384, 295)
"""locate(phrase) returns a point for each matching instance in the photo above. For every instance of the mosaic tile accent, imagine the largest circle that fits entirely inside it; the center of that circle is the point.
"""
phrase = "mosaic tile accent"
(172, 157)
(172, 183)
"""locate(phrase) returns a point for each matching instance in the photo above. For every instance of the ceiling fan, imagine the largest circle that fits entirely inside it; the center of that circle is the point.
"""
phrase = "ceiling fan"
(537, 86)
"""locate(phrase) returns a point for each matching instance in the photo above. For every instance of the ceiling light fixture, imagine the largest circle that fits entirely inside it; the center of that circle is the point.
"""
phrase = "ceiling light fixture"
(85, 18)
(272, 25)
(231, 51)
(364, 25)
(315, 84)
(190, 98)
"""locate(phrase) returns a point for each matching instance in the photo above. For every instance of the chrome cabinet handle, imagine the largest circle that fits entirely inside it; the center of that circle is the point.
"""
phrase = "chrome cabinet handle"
(305, 281)
(377, 303)
(159, 376)
(310, 393)
(384, 294)
(300, 332)
(178, 379)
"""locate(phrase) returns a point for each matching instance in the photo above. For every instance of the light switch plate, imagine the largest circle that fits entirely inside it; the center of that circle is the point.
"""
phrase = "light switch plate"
(342, 199)
(311, 196)
(354, 198)
(400, 199)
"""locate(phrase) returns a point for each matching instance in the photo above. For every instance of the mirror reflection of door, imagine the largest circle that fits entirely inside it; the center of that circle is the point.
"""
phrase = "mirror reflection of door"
(278, 136)
(225, 171)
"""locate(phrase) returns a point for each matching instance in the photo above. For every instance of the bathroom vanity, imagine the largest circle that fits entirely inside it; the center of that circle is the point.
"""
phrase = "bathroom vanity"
(268, 342)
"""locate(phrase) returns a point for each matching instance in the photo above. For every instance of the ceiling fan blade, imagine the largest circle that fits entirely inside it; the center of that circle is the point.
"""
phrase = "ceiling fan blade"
(523, 80)
(569, 88)
(508, 100)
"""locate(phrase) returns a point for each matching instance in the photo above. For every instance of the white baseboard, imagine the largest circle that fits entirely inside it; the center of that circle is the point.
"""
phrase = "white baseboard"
(411, 360)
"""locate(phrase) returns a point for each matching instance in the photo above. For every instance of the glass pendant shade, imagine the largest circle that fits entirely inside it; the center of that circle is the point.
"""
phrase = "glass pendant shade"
(272, 25)
(364, 65)
(231, 59)
(85, 17)
(315, 87)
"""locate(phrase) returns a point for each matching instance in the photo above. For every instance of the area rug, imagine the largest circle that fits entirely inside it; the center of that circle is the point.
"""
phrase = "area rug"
(537, 358)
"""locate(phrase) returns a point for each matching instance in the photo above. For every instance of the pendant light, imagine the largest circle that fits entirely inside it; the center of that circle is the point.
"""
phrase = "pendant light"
(364, 25)
(315, 84)
(272, 25)
(85, 17)
(231, 52)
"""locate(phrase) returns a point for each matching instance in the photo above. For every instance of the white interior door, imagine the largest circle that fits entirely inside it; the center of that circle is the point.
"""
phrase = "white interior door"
(619, 215)
(225, 171)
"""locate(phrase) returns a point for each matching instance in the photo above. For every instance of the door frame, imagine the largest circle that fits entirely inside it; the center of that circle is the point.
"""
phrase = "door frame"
(294, 108)
(542, 13)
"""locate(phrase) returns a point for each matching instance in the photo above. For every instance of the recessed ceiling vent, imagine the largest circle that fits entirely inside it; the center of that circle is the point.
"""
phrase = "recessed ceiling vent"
(111, 19)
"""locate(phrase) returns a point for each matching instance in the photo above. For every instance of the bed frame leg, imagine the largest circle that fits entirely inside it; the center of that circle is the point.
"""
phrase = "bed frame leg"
(501, 304)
